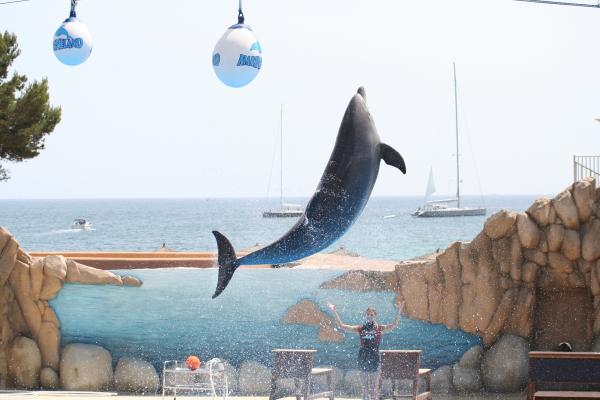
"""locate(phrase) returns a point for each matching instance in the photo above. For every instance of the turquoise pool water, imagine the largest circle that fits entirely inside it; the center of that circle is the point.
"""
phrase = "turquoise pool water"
(172, 315)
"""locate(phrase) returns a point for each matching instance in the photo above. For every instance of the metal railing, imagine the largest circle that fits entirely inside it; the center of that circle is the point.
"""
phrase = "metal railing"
(585, 167)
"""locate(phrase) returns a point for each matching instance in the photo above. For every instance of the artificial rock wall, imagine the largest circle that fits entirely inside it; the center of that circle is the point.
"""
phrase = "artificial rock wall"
(490, 285)
(29, 329)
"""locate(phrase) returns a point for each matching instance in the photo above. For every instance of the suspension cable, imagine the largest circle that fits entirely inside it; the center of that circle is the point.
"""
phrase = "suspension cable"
(240, 13)
(562, 3)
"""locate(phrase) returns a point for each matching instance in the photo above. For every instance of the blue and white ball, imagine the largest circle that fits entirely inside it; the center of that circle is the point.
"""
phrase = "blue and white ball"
(72, 42)
(237, 57)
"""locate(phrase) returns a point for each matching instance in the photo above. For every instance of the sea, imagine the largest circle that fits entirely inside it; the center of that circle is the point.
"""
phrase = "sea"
(385, 230)
(172, 314)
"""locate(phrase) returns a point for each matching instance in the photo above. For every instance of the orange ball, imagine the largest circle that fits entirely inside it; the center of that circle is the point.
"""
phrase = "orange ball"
(192, 362)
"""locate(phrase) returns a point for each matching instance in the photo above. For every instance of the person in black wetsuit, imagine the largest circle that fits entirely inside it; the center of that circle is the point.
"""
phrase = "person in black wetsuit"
(368, 354)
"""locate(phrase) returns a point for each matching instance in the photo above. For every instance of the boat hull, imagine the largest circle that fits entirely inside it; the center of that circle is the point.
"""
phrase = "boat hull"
(451, 212)
(282, 214)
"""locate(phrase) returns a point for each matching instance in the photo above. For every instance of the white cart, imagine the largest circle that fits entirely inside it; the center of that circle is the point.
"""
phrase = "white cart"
(210, 379)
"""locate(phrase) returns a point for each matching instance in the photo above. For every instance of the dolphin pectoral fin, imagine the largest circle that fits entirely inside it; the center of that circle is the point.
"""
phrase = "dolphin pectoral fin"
(392, 157)
(228, 262)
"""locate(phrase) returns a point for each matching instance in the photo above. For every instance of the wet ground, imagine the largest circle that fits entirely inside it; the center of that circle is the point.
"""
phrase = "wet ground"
(108, 396)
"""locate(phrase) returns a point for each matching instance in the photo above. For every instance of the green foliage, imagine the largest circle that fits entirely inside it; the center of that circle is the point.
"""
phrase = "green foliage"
(26, 116)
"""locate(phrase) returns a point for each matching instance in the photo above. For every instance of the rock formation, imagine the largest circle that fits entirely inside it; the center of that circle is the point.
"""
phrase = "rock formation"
(308, 313)
(29, 329)
(488, 286)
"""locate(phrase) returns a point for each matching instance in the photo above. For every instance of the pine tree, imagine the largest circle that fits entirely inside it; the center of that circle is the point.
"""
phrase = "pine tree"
(26, 116)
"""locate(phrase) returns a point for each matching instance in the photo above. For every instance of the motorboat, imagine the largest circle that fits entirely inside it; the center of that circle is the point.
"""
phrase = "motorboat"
(80, 223)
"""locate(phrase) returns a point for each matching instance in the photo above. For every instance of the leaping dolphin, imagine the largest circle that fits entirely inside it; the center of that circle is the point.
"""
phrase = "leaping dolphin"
(337, 203)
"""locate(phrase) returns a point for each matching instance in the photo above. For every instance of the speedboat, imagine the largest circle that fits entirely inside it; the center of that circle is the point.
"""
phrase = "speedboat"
(80, 223)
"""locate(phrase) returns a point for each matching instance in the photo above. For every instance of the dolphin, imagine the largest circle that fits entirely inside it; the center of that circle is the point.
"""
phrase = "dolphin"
(341, 196)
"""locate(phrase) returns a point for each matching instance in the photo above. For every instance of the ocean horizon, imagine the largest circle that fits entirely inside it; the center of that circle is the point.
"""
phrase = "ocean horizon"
(186, 224)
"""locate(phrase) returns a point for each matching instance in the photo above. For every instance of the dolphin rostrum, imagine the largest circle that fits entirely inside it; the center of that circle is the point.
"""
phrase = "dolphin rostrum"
(337, 203)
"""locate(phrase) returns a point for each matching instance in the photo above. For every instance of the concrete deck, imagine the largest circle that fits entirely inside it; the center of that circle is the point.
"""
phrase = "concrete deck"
(138, 260)
(108, 396)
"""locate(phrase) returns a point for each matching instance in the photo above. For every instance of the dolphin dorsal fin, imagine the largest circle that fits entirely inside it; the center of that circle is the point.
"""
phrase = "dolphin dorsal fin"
(392, 157)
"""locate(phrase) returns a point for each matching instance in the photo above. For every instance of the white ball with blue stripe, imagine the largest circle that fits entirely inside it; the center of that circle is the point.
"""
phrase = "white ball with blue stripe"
(72, 42)
(237, 57)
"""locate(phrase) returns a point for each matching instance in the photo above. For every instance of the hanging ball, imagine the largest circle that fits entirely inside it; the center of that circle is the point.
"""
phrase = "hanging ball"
(237, 56)
(72, 42)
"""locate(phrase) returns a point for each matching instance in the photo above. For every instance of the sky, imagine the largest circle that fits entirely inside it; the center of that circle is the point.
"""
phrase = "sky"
(146, 116)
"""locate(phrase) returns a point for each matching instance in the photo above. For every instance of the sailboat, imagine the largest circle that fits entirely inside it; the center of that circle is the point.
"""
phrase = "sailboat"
(443, 208)
(286, 210)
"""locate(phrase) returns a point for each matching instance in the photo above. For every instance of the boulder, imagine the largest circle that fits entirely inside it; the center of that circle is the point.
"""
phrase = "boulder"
(24, 363)
(36, 274)
(80, 273)
(49, 379)
(49, 343)
(441, 380)
(590, 245)
(131, 281)
(536, 256)
(85, 367)
(530, 272)
(503, 312)
(504, 365)
(543, 245)
(55, 266)
(451, 290)
(528, 231)
(20, 282)
(471, 358)
(540, 211)
(50, 288)
(560, 263)
(555, 234)
(481, 292)
(466, 380)
(571, 245)
(254, 379)
(135, 375)
(566, 210)
(8, 257)
(584, 266)
(508, 254)
(584, 194)
(500, 224)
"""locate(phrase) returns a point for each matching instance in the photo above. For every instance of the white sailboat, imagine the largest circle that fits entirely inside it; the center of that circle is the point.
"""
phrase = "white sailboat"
(285, 210)
(443, 208)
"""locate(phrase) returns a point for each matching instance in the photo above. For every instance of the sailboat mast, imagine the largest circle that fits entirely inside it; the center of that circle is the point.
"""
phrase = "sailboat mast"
(457, 155)
(281, 152)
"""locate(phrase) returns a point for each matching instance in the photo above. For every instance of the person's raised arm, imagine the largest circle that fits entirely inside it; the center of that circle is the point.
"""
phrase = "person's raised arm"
(338, 320)
(391, 327)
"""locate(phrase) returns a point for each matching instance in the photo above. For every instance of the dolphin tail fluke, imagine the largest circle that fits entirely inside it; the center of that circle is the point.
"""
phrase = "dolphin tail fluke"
(228, 262)
(392, 157)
